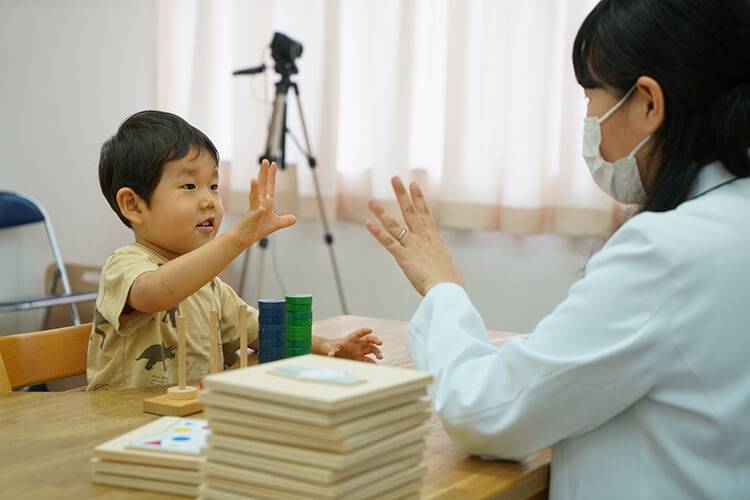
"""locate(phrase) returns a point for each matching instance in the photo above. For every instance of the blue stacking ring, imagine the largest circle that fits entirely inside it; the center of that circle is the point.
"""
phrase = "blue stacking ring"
(266, 328)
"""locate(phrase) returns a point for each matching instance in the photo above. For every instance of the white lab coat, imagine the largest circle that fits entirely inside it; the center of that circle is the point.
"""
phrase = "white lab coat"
(639, 379)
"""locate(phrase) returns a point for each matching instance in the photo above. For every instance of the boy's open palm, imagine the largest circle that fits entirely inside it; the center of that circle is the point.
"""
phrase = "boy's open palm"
(260, 220)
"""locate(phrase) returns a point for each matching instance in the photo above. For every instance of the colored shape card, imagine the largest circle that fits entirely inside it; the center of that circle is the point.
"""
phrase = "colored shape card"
(186, 436)
(324, 375)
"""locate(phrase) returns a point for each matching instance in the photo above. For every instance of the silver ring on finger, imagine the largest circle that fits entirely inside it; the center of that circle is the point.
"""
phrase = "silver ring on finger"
(402, 233)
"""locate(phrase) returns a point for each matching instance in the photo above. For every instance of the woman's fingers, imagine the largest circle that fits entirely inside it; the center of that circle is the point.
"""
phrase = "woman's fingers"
(385, 239)
(423, 211)
(407, 208)
(393, 226)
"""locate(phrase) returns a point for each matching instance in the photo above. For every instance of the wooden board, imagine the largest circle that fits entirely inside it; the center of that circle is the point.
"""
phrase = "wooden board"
(311, 441)
(309, 473)
(180, 489)
(316, 458)
(118, 449)
(330, 433)
(151, 472)
(312, 417)
(163, 405)
(369, 484)
(406, 491)
(258, 383)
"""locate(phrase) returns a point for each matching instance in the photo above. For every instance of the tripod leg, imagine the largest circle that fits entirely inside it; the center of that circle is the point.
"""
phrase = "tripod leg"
(328, 236)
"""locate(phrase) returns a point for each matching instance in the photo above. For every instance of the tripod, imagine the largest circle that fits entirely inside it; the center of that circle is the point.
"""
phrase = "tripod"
(276, 151)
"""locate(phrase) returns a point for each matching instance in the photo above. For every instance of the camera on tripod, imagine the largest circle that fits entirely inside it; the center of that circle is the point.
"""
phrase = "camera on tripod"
(284, 51)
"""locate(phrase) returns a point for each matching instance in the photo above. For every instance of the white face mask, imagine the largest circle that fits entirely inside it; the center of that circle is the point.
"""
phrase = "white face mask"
(621, 179)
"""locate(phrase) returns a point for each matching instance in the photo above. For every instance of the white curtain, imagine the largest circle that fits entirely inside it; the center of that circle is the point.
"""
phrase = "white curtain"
(475, 99)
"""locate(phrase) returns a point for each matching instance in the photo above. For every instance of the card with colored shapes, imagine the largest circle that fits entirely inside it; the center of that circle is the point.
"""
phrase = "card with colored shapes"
(186, 436)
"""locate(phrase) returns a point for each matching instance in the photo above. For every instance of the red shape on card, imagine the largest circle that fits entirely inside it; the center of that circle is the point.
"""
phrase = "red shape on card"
(155, 443)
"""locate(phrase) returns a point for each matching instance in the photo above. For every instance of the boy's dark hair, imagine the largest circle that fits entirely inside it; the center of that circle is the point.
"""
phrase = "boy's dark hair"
(135, 156)
(697, 50)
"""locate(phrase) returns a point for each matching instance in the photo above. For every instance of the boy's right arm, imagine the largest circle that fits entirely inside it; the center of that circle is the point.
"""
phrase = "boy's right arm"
(170, 284)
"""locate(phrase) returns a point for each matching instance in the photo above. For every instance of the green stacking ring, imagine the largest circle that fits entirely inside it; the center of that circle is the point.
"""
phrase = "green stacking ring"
(299, 323)
(299, 299)
(298, 307)
(297, 352)
(299, 337)
(292, 315)
(298, 330)
(298, 344)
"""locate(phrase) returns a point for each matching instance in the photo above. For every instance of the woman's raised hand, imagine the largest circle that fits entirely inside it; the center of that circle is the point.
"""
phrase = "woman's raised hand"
(417, 246)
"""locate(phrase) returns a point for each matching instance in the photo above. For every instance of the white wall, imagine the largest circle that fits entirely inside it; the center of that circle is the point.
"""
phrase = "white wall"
(72, 71)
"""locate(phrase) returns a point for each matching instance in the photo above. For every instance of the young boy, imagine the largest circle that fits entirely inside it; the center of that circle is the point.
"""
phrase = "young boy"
(160, 175)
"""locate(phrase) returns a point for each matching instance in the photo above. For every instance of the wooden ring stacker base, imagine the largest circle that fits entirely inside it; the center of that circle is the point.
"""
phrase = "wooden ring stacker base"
(187, 392)
(182, 399)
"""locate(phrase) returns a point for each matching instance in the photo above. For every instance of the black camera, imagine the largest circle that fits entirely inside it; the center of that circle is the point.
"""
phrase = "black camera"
(284, 51)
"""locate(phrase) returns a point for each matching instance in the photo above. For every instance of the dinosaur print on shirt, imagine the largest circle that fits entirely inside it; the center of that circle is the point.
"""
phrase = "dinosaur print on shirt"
(172, 315)
(156, 353)
(99, 321)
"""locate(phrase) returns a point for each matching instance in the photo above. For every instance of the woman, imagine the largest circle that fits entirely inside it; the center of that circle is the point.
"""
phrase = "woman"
(639, 379)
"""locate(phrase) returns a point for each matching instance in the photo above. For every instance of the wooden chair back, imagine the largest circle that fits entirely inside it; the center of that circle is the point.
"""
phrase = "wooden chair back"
(36, 357)
(83, 278)
(4, 382)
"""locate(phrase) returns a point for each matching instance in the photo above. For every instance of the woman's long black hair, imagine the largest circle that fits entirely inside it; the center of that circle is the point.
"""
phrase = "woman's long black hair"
(699, 53)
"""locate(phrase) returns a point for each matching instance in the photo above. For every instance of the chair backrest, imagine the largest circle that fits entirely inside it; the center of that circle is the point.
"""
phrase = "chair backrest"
(36, 357)
(17, 209)
(4, 382)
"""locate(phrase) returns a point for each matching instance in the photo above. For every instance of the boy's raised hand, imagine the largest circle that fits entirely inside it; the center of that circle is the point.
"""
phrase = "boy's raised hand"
(260, 220)
(357, 345)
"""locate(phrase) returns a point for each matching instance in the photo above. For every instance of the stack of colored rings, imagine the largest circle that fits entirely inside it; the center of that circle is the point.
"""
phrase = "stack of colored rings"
(271, 330)
(298, 325)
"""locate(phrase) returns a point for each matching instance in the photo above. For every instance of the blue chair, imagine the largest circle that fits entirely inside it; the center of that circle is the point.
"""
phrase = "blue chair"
(17, 209)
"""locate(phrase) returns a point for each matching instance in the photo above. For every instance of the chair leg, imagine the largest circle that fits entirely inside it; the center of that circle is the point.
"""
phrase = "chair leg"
(74, 314)
(60, 266)
(51, 291)
(73, 309)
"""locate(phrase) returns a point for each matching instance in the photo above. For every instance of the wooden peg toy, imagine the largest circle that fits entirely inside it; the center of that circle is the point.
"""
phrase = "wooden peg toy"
(243, 337)
(214, 320)
(182, 399)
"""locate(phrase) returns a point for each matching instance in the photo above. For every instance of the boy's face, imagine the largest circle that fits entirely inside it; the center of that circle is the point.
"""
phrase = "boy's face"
(185, 209)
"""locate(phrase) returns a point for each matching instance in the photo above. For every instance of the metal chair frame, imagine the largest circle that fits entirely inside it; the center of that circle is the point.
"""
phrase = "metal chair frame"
(34, 212)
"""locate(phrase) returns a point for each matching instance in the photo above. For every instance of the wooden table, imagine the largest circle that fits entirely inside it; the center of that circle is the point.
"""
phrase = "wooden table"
(46, 439)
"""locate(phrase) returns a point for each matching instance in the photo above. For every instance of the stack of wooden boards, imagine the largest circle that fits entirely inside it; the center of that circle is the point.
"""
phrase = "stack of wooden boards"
(314, 427)
(162, 455)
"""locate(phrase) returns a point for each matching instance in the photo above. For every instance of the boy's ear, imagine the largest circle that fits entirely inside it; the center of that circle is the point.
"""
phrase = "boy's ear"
(131, 205)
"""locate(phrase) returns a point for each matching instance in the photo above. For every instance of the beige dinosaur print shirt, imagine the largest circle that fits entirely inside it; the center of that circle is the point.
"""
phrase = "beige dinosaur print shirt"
(139, 349)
